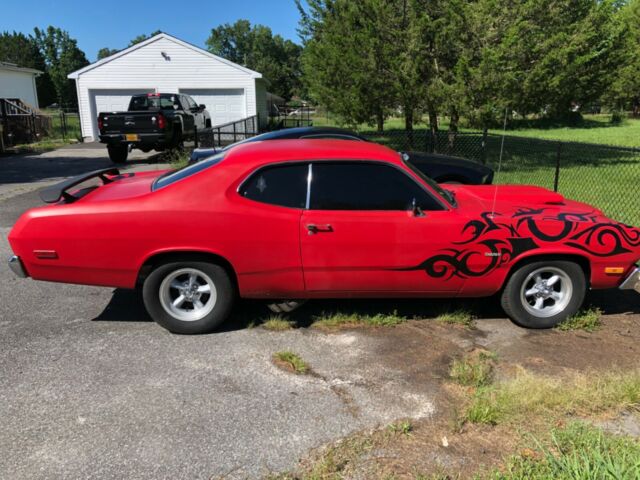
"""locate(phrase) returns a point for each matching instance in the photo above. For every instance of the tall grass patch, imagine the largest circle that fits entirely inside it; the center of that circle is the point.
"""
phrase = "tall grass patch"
(530, 396)
(337, 320)
(576, 452)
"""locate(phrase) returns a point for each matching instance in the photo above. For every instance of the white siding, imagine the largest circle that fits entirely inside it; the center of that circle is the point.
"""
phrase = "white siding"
(146, 68)
(18, 85)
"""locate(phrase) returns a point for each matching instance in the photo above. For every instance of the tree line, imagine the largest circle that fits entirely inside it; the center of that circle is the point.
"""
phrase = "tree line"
(53, 52)
(367, 60)
(370, 59)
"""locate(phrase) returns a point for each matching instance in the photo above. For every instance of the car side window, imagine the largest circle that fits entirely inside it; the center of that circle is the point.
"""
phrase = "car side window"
(283, 185)
(366, 186)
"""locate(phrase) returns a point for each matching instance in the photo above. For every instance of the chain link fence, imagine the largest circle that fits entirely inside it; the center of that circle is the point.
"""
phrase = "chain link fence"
(228, 133)
(600, 175)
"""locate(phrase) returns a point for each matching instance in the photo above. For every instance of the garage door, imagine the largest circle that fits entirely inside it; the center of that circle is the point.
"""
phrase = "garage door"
(224, 105)
(112, 101)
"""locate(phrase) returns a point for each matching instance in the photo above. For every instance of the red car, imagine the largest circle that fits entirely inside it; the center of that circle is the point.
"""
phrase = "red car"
(301, 219)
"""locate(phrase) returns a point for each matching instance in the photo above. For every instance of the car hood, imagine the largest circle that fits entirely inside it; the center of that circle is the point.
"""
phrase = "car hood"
(508, 199)
(434, 158)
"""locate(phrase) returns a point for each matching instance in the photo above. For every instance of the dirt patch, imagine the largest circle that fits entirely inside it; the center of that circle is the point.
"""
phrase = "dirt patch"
(421, 352)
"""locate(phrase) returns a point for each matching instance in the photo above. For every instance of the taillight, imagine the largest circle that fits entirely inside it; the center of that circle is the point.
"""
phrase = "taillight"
(161, 122)
(100, 125)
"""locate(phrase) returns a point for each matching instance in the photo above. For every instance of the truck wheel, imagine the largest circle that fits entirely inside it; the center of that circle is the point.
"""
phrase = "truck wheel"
(177, 141)
(118, 153)
(188, 297)
(542, 294)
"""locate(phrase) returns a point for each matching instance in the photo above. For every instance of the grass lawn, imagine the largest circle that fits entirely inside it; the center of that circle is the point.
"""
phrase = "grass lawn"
(592, 129)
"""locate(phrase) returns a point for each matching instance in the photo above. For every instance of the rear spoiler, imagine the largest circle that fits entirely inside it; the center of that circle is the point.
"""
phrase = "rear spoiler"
(56, 192)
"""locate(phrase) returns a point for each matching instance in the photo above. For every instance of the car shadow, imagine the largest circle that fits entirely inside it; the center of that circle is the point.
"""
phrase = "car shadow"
(127, 306)
(30, 168)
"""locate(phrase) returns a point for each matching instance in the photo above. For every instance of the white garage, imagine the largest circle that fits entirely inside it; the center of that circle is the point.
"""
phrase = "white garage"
(224, 104)
(165, 64)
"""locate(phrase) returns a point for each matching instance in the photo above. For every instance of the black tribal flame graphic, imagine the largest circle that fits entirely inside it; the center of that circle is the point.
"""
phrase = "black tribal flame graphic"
(525, 230)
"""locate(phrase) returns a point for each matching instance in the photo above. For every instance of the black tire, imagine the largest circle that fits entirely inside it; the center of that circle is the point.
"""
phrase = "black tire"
(177, 141)
(118, 153)
(207, 123)
(571, 281)
(157, 300)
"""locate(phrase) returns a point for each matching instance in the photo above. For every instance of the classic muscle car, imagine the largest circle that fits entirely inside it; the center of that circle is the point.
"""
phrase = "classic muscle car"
(304, 219)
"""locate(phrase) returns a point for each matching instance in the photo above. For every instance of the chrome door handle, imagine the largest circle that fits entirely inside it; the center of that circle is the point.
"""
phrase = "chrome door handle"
(313, 229)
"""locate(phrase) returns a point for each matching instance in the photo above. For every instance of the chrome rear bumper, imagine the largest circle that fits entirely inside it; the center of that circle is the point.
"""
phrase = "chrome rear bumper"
(632, 281)
(16, 267)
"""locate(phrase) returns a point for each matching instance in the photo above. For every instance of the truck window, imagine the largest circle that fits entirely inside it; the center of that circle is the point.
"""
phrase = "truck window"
(153, 102)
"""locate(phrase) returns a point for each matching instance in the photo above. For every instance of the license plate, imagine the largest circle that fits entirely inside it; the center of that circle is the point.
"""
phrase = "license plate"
(132, 137)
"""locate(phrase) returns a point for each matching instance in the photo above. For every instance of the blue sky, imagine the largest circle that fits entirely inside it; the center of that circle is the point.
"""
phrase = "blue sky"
(113, 23)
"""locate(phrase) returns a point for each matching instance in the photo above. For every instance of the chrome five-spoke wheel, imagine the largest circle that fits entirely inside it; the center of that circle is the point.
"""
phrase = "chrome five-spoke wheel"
(188, 294)
(543, 293)
(546, 292)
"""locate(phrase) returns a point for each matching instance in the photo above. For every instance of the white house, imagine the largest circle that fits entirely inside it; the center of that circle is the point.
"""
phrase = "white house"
(165, 64)
(18, 82)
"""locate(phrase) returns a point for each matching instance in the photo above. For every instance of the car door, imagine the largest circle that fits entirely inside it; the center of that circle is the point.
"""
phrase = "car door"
(198, 115)
(189, 118)
(361, 232)
(269, 211)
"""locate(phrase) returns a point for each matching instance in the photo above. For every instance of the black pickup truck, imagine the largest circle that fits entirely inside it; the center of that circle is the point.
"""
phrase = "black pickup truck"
(154, 121)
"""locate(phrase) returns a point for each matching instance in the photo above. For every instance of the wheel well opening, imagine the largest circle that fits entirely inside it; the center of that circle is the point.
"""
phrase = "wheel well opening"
(185, 256)
(578, 259)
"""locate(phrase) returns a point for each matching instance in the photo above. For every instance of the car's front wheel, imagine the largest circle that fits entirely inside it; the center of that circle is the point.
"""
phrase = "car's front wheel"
(188, 297)
(544, 293)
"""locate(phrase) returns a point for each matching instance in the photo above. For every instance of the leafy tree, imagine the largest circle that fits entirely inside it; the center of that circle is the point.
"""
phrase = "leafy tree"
(106, 52)
(352, 74)
(625, 88)
(143, 37)
(561, 52)
(62, 56)
(257, 48)
(22, 50)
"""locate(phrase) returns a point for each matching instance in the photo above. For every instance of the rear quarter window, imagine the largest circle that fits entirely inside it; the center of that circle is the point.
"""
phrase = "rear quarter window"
(284, 186)
(189, 170)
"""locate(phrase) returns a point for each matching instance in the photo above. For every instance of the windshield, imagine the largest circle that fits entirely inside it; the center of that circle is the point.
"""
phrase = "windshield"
(152, 102)
(176, 175)
(446, 194)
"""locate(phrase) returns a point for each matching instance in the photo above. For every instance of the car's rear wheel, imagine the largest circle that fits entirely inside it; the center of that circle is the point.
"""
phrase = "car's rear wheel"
(188, 297)
(118, 153)
(544, 293)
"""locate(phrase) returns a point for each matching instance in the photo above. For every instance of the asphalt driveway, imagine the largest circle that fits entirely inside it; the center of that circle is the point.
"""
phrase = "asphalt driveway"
(91, 388)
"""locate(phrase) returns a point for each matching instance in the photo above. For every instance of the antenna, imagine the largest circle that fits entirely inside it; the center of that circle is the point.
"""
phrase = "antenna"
(495, 192)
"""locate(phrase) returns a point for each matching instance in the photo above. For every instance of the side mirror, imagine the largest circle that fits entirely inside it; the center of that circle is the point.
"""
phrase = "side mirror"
(202, 107)
(416, 210)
